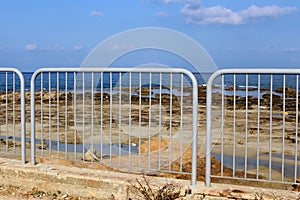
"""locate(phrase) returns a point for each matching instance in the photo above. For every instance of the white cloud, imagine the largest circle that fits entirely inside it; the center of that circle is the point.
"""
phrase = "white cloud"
(31, 47)
(50, 48)
(196, 13)
(166, 1)
(175, 1)
(78, 47)
(162, 14)
(119, 47)
(34, 46)
(294, 49)
(199, 14)
(169, 1)
(266, 11)
(95, 13)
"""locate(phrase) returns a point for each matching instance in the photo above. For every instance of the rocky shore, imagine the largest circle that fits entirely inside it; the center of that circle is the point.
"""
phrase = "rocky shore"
(66, 118)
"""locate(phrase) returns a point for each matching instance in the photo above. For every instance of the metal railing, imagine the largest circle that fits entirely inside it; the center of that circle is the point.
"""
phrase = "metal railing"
(252, 123)
(12, 113)
(145, 120)
(137, 119)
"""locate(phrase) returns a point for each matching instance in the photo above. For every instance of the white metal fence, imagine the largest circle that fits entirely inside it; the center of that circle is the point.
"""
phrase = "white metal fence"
(133, 119)
(12, 114)
(252, 125)
(147, 119)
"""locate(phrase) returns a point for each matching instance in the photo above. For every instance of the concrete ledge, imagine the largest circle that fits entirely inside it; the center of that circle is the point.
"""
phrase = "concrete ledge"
(99, 184)
(74, 181)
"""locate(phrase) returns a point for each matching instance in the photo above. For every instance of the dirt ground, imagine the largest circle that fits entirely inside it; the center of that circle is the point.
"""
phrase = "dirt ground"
(232, 192)
(12, 193)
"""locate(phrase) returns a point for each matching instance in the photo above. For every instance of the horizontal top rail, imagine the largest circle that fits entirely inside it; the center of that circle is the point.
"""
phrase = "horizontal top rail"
(251, 71)
(132, 70)
(154, 70)
(19, 73)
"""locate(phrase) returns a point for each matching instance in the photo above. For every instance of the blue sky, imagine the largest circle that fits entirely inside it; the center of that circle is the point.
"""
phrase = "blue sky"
(61, 33)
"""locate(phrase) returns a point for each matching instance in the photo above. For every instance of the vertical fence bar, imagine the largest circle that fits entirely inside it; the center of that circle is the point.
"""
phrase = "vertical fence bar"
(49, 114)
(120, 117)
(110, 117)
(42, 112)
(101, 117)
(271, 120)
(32, 116)
(246, 133)
(208, 132)
(181, 121)
(258, 127)
(283, 130)
(14, 112)
(171, 119)
(92, 116)
(0, 126)
(130, 117)
(66, 115)
(296, 134)
(159, 121)
(83, 113)
(0, 131)
(194, 128)
(6, 112)
(234, 125)
(57, 113)
(23, 117)
(222, 125)
(75, 114)
(140, 114)
(149, 122)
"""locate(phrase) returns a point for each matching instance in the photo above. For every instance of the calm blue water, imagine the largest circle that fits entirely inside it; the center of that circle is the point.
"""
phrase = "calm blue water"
(289, 169)
(63, 82)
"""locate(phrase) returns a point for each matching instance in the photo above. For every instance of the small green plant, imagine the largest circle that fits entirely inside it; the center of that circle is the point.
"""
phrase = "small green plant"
(276, 196)
(147, 191)
(259, 195)
(38, 194)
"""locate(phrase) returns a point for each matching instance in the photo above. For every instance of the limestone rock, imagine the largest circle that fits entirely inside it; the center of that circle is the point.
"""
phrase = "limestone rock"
(154, 145)
(92, 155)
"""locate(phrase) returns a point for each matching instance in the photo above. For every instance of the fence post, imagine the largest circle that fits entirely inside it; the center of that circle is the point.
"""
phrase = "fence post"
(32, 115)
(208, 133)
